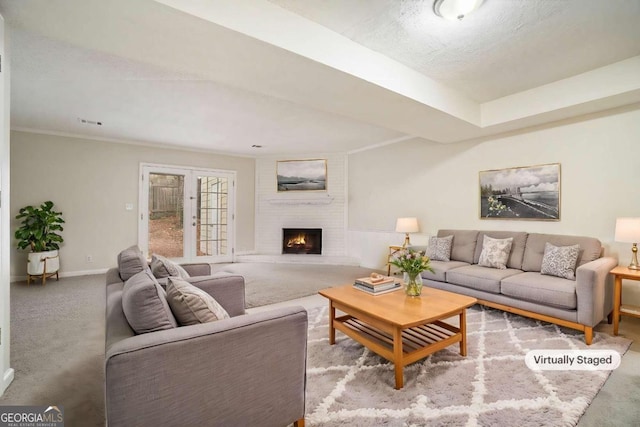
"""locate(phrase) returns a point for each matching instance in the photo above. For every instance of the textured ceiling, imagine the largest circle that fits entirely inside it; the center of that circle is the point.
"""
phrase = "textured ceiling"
(313, 76)
(505, 47)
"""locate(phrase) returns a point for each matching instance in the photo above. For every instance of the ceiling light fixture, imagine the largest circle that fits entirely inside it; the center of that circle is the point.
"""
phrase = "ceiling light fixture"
(455, 9)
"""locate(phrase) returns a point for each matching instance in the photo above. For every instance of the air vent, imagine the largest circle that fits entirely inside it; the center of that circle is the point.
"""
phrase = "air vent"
(89, 122)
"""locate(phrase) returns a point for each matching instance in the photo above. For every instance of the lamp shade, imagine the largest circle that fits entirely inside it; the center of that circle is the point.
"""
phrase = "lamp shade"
(628, 230)
(407, 225)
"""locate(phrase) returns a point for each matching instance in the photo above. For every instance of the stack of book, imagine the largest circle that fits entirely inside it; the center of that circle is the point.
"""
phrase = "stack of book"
(377, 285)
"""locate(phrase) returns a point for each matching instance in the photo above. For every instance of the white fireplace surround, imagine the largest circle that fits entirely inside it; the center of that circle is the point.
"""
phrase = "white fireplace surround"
(301, 209)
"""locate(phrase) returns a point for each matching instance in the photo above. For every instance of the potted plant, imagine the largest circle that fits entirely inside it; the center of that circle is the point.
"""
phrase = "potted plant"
(39, 232)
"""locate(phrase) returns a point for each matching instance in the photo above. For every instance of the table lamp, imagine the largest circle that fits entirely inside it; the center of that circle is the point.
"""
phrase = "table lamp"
(628, 231)
(407, 225)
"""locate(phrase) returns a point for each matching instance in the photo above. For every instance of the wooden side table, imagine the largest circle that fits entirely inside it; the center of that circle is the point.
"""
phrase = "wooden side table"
(392, 251)
(620, 309)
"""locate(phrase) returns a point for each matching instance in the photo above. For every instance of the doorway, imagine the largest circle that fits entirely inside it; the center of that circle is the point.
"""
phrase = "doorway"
(187, 214)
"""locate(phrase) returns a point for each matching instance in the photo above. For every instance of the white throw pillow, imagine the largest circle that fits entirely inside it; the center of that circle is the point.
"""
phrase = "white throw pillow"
(495, 252)
(191, 305)
(560, 261)
(439, 248)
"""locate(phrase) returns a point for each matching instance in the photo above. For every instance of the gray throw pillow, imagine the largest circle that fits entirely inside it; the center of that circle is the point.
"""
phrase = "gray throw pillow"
(162, 267)
(192, 305)
(439, 248)
(130, 262)
(145, 306)
(560, 261)
(495, 252)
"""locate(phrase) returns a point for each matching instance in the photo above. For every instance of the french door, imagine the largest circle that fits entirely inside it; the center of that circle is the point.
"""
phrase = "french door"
(187, 214)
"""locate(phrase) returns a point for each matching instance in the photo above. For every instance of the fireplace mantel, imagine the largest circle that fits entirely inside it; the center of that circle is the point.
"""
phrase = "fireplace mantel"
(308, 200)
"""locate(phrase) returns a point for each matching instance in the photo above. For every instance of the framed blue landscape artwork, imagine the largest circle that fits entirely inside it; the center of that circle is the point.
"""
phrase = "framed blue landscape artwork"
(302, 175)
(530, 192)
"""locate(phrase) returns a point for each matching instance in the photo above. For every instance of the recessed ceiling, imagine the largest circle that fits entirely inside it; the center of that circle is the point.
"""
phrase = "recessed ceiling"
(320, 76)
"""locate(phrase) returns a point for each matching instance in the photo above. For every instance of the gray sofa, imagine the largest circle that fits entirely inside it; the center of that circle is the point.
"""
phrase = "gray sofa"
(247, 370)
(521, 288)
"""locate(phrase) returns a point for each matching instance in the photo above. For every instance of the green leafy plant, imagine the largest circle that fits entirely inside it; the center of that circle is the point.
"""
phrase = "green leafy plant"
(39, 228)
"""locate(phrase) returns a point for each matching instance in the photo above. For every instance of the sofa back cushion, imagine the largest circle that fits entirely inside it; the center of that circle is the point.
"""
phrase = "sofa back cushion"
(517, 246)
(590, 249)
(131, 262)
(464, 244)
(145, 306)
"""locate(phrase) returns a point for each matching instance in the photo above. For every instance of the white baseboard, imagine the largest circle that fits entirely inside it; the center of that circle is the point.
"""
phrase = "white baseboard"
(67, 274)
(6, 380)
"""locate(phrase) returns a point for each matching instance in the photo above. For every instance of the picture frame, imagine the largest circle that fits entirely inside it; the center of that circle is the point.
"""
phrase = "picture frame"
(524, 193)
(301, 175)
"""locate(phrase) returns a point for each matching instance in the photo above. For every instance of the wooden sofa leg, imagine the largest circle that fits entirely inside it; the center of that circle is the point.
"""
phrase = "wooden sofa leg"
(299, 423)
(588, 335)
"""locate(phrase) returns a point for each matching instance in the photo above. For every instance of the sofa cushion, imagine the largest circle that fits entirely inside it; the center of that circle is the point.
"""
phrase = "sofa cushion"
(441, 268)
(130, 262)
(439, 248)
(191, 305)
(162, 267)
(481, 278)
(548, 290)
(560, 261)
(145, 304)
(463, 245)
(495, 252)
(517, 246)
(590, 249)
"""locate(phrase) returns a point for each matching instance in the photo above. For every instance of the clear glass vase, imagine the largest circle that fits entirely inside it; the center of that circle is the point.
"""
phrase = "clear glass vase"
(413, 284)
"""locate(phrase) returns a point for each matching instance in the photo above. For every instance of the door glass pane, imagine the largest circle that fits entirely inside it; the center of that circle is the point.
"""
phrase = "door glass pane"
(212, 211)
(166, 214)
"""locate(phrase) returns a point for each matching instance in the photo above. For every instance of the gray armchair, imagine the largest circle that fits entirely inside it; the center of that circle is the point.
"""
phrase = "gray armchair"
(248, 370)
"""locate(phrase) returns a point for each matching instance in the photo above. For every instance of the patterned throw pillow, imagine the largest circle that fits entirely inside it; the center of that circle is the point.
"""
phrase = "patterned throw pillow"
(439, 248)
(560, 261)
(162, 267)
(191, 305)
(495, 252)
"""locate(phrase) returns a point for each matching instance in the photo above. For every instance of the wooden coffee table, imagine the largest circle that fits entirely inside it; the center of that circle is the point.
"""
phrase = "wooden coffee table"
(399, 328)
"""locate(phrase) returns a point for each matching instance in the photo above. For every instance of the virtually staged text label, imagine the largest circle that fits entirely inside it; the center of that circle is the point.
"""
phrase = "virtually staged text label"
(572, 360)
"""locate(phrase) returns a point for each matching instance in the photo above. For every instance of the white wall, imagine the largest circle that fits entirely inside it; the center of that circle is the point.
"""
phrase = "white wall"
(5, 371)
(91, 181)
(301, 209)
(438, 183)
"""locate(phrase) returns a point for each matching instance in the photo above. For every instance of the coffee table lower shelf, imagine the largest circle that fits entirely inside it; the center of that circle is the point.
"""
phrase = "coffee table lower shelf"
(403, 346)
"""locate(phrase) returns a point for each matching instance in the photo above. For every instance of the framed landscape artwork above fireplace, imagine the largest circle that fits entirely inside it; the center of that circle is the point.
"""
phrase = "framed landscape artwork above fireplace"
(530, 192)
(302, 175)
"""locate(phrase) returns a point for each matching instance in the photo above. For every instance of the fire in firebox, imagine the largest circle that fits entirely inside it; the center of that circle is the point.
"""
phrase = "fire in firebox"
(302, 241)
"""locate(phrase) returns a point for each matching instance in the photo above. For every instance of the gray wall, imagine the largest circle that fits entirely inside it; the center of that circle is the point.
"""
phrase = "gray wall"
(91, 181)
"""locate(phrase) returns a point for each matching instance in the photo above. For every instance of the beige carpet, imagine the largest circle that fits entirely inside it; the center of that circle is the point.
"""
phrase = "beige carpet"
(349, 385)
(269, 283)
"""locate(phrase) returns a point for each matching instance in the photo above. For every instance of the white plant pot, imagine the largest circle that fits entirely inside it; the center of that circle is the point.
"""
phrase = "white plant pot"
(35, 264)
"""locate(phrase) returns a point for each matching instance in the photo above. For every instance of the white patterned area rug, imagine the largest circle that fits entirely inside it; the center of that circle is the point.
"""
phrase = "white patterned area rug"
(349, 385)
